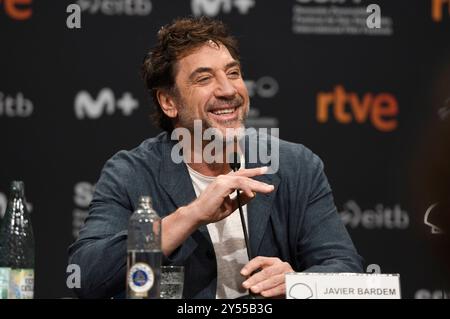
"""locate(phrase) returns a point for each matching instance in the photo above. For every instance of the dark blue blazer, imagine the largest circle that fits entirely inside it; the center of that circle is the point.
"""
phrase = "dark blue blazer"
(297, 222)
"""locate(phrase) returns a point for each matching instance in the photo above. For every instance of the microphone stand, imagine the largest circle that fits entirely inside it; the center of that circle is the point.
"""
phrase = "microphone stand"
(235, 165)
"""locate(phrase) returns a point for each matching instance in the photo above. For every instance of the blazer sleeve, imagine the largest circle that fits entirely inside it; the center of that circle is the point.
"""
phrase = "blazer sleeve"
(100, 250)
(324, 244)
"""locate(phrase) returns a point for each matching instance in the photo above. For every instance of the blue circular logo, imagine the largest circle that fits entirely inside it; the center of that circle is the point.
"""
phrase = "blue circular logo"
(141, 278)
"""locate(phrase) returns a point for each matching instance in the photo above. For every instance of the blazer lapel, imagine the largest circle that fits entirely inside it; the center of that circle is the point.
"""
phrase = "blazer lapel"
(175, 180)
(260, 208)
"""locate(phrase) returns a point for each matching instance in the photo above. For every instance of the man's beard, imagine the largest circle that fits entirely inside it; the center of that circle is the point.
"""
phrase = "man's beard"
(186, 120)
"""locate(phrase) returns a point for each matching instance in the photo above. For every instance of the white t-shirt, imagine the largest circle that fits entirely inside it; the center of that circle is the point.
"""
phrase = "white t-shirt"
(229, 244)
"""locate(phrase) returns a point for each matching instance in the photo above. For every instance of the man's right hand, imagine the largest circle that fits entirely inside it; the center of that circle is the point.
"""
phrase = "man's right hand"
(215, 204)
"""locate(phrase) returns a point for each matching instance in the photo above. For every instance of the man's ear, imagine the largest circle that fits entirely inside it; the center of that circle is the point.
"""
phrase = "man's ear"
(167, 103)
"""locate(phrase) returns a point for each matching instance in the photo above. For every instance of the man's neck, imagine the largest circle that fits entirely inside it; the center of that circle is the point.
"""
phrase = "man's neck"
(213, 169)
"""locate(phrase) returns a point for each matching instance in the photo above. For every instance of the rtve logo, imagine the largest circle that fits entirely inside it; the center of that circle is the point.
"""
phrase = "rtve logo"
(212, 8)
(105, 103)
(380, 109)
(437, 9)
(17, 9)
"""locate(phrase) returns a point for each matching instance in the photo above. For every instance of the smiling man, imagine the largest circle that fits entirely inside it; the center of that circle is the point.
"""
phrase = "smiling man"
(198, 97)
(194, 76)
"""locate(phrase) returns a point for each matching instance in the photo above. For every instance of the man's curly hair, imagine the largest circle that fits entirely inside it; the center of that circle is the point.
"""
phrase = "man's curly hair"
(175, 41)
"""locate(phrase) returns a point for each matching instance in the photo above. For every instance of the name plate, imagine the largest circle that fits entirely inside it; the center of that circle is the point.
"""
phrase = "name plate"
(342, 286)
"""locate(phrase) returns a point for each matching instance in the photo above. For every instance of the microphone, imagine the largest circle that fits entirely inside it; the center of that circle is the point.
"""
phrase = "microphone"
(235, 165)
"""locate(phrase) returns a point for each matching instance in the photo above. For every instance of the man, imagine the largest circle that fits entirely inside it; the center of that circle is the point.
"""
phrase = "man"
(194, 76)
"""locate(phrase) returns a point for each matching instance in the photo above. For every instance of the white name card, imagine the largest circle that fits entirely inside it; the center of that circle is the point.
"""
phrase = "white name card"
(342, 286)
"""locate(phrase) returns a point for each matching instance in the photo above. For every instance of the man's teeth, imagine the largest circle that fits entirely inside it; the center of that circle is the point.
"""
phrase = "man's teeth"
(224, 111)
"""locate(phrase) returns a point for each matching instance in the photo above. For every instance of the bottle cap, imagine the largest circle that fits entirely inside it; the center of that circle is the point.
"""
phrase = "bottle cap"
(145, 200)
(18, 188)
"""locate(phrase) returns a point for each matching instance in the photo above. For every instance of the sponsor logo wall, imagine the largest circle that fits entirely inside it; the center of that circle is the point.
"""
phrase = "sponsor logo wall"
(313, 69)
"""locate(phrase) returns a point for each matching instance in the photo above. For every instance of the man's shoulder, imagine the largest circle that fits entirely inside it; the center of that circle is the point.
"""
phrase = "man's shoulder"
(291, 155)
(147, 154)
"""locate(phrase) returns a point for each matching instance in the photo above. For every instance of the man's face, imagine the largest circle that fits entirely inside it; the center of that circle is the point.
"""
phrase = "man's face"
(211, 89)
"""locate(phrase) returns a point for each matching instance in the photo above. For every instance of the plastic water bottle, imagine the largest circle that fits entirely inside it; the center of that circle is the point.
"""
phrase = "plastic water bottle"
(144, 252)
(16, 247)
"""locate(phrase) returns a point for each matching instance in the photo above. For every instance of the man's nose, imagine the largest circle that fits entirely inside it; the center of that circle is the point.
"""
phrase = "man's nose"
(225, 88)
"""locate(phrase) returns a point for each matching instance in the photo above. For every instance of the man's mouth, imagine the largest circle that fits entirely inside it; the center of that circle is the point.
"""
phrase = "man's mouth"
(225, 114)
(224, 111)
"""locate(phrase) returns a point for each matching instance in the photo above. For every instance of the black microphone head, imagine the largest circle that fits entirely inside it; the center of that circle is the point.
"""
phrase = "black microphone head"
(235, 161)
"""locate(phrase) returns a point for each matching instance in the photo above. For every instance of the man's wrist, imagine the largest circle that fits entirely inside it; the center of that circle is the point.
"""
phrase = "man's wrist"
(189, 214)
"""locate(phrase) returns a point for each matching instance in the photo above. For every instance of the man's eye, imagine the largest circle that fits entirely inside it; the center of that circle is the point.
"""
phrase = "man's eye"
(234, 74)
(203, 79)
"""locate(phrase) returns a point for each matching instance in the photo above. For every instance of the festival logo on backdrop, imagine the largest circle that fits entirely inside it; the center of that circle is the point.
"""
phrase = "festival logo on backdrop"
(340, 17)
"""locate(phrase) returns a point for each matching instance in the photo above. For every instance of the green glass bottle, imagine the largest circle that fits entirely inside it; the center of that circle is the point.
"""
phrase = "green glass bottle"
(17, 246)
